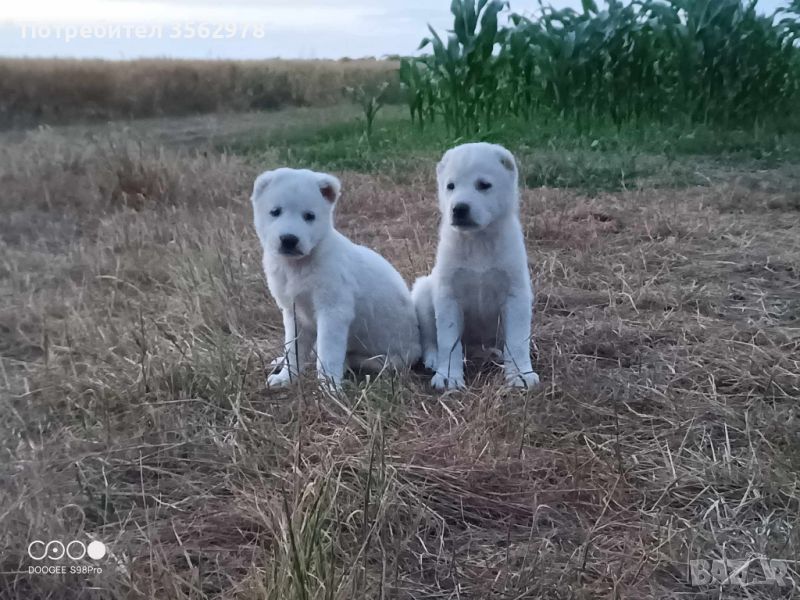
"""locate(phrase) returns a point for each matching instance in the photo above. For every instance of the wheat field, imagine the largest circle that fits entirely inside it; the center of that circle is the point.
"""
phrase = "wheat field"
(35, 91)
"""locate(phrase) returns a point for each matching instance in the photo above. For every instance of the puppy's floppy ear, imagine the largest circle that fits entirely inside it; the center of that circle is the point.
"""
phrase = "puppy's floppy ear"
(506, 159)
(329, 186)
(261, 183)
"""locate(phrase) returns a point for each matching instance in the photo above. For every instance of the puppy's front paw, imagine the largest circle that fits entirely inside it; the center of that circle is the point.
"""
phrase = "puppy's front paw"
(443, 382)
(329, 384)
(430, 359)
(279, 379)
(526, 380)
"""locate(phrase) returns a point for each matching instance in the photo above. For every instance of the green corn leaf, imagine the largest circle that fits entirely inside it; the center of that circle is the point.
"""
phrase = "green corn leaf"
(470, 16)
(460, 20)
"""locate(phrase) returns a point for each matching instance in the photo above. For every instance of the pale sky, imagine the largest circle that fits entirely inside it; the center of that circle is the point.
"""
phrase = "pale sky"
(124, 29)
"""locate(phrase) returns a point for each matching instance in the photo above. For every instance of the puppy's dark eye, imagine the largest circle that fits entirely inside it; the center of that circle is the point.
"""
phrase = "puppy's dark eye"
(482, 185)
(309, 216)
(451, 186)
(275, 212)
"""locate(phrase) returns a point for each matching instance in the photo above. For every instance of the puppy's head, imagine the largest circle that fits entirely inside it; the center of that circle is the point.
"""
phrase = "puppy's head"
(293, 210)
(477, 185)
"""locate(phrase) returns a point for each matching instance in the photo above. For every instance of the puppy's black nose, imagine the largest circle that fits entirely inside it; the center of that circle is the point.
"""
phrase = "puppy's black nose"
(460, 212)
(289, 242)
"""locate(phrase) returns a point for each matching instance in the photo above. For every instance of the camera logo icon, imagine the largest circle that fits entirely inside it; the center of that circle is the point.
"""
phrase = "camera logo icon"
(74, 550)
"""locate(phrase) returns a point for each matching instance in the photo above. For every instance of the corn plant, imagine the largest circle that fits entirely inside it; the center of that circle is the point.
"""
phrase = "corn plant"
(709, 61)
(419, 88)
(370, 101)
(458, 81)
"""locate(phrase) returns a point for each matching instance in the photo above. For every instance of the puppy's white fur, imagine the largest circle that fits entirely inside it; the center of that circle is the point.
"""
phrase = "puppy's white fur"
(479, 293)
(342, 300)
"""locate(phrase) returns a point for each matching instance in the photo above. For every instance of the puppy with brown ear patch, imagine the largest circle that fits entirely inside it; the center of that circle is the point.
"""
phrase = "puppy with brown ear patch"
(479, 295)
(342, 304)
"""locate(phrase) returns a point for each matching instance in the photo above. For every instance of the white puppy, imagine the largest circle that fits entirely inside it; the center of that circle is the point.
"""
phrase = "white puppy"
(479, 293)
(342, 300)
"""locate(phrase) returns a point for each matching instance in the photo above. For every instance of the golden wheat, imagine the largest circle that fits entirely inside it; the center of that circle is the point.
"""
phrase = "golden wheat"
(58, 91)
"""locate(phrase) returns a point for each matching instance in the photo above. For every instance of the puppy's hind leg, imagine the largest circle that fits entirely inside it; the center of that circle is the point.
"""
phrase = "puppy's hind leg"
(367, 364)
(422, 295)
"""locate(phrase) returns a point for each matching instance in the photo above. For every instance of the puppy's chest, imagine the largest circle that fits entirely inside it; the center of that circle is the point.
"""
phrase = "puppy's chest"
(292, 293)
(481, 290)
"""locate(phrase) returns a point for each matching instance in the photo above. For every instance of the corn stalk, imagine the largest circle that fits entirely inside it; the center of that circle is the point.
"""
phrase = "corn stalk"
(709, 61)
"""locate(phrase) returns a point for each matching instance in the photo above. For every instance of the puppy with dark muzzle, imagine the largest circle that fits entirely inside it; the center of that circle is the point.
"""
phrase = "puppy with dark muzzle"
(479, 293)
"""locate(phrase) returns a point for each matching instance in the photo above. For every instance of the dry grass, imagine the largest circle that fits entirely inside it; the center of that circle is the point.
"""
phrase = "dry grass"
(60, 91)
(134, 331)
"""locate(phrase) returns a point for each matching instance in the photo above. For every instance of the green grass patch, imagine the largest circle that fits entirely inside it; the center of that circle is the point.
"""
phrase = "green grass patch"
(552, 152)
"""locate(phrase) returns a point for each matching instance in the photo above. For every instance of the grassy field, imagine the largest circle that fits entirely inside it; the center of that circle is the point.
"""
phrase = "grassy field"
(135, 328)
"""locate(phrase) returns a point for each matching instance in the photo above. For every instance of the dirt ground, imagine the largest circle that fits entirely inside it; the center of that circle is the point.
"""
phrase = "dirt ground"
(134, 331)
